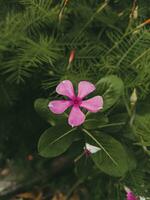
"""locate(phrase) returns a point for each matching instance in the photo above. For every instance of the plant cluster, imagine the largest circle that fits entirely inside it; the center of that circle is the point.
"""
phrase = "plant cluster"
(111, 42)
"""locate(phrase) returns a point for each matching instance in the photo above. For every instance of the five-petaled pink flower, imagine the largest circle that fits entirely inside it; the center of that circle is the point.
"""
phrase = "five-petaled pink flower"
(76, 116)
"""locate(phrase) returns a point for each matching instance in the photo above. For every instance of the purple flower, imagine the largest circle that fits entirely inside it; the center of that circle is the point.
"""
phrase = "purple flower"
(76, 116)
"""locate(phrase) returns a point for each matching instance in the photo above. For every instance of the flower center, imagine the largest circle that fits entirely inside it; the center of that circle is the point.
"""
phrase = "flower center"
(77, 101)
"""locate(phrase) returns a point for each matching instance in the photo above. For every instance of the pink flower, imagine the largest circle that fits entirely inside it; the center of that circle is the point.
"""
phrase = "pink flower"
(76, 116)
(130, 195)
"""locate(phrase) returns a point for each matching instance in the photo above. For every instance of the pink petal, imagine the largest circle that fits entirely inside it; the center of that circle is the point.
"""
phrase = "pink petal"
(130, 196)
(76, 117)
(85, 88)
(59, 106)
(66, 88)
(94, 104)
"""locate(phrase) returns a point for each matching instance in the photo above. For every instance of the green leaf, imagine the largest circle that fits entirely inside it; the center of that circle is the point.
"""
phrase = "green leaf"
(94, 120)
(131, 159)
(111, 88)
(113, 160)
(56, 140)
(41, 107)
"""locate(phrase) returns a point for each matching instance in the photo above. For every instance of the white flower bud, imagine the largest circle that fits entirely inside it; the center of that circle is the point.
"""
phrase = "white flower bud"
(133, 97)
(91, 148)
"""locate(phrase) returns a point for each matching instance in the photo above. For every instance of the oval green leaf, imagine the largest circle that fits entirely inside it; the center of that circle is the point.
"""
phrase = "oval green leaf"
(56, 140)
(110, 88)
(112, 159)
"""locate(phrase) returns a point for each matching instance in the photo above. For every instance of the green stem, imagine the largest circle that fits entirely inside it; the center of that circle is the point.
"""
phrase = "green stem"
(68, 67)
(113, 124)
(79, 157)
(107, 125)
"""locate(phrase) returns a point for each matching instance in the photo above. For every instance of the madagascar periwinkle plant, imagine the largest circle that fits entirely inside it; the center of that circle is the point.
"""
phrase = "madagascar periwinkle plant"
(93, 124)
(85, 126)
(89, 130)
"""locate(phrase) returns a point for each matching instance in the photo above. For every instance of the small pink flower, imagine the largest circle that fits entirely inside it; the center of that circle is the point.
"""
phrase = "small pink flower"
(130, 194)
(76, 116)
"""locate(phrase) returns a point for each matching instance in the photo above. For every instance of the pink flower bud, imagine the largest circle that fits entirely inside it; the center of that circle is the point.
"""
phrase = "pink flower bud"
(71, 57)
(147, 21)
